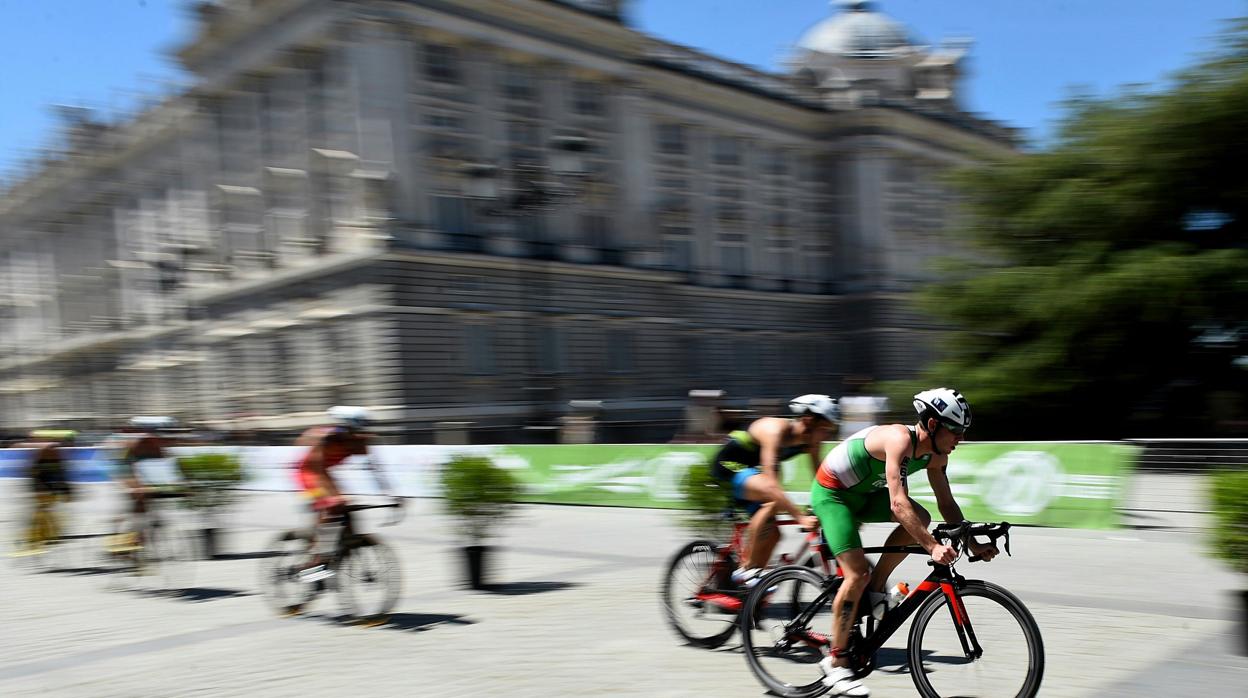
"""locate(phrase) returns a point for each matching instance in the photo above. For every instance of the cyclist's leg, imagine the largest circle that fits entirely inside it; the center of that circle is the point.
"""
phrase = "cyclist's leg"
(762, 533)
(879, 510)
(835, 510)
(326, 511)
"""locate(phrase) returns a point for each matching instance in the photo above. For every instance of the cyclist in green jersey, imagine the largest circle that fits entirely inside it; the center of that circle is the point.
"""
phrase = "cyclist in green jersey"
(863, 480)
(749, 463)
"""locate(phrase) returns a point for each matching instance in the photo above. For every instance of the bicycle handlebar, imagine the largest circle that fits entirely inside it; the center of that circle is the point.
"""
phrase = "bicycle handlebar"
(960, 533)
(362, 507)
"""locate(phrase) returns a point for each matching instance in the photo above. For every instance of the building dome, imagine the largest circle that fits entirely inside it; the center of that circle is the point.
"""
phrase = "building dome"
(857, 32)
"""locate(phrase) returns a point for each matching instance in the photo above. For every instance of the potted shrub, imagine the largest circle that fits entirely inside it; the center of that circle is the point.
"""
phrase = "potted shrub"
(211, 480)
(1229, 491)
(705, 501)
(479, 495)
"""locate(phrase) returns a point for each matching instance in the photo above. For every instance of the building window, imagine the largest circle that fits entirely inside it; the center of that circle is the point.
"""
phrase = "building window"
(671, 139)
(451, 214)
(727, 150)
(730, 211)
(596, 230)
(732, 257)
(524, 134)
(452, 122)
(442, 63)
(519, 84)
(588, 99)
(777, 163)
(677, 247)
(550, 358)
(619, 351)
(479, 350)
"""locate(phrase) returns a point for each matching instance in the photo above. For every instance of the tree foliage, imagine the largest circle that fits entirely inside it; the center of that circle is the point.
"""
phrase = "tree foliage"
(1110, 293)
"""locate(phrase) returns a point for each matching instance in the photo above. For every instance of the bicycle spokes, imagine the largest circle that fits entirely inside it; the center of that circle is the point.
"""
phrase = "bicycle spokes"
(983, 643)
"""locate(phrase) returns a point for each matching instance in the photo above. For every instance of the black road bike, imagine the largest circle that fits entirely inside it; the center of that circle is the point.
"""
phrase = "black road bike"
(969, 637)
(363, 570)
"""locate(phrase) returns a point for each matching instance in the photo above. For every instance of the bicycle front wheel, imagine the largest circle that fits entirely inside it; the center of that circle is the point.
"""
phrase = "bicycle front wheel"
(699, 599)
(985, 645)
(785, 627)
(169, 552)
(368, 579)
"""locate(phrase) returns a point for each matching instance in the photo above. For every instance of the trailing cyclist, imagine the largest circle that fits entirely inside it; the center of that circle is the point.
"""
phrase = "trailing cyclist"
(49, 482)
(329, 445)
(142, 445)
(749, 463)
(864, 479)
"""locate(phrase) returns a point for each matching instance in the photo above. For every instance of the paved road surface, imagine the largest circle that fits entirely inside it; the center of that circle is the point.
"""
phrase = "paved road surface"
(1124, 614)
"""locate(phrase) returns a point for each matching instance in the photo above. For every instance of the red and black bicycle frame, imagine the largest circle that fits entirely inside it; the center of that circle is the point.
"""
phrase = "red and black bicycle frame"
(942, 580)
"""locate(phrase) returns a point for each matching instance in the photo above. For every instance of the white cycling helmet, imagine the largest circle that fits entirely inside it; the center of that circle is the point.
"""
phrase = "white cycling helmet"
(153, 425)
(946, 405)
(348, 416)
(818, 405)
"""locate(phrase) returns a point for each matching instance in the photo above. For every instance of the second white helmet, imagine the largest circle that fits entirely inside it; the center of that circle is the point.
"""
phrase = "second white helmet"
(349, 416)
(818, 405)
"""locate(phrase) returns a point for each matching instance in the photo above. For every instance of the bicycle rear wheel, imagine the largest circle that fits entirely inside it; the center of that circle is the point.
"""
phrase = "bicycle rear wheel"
(279, 575)
(785, 628)
(369, 579)
(699, 599)
(168, 555)
(1012, 662)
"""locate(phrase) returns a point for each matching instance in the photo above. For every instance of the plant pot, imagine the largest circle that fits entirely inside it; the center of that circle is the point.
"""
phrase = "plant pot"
(208, 541)
(1243, 622)
(475, 558)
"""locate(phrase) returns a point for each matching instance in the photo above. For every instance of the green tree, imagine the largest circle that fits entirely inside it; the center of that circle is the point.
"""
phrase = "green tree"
(1110, 293)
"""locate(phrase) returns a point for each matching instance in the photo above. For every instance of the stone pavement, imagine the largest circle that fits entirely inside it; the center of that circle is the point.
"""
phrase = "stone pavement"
(576, 612)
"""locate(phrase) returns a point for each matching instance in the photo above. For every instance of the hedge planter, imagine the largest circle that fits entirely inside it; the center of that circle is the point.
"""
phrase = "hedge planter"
(475, 569)
(478, 496)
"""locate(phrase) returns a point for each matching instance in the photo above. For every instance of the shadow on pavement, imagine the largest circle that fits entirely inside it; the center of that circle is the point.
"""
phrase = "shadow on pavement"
(526, 588)
(193, 594)
(420, 622)
(81, 571)
(258, 555)
(889, 660)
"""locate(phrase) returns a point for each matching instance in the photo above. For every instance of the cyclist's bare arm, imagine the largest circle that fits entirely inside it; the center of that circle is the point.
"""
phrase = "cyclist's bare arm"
(949, 509)
(379, 474)
(897, 446)
(769, 434)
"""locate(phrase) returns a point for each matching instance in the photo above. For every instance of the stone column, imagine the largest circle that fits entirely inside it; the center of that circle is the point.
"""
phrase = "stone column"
(869, 240)
(635, 205)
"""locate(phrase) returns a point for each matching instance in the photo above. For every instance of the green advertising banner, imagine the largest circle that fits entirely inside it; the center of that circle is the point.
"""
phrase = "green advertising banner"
(1047, 484)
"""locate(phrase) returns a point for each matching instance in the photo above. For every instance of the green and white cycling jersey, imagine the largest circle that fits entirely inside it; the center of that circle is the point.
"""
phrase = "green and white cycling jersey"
(851, 468)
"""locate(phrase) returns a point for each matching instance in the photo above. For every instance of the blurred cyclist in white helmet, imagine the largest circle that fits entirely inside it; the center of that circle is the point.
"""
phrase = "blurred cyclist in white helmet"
(749, 463)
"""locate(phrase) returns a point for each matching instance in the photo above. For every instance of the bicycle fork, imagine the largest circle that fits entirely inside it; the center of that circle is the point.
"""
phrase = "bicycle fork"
(961, 622)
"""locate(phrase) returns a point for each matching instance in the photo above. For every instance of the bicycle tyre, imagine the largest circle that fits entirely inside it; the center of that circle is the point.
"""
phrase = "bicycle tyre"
(756, 613)
(693, 563)
(282, 589)
(369, 579)
(169, 552)
(1030, 683)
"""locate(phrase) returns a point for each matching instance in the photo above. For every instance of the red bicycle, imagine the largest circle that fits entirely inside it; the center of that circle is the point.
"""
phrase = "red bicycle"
(699, 597)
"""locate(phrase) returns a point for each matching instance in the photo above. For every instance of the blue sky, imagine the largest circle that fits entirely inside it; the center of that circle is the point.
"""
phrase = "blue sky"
(1026, 56)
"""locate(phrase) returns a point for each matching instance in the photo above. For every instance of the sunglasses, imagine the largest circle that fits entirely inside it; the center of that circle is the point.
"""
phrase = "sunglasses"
(954, 428)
